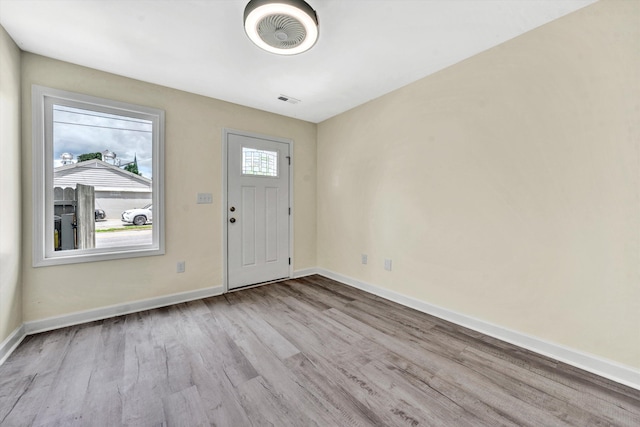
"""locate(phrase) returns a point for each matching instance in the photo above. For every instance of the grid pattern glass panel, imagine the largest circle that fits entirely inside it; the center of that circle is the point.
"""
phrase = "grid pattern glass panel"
(259, 162)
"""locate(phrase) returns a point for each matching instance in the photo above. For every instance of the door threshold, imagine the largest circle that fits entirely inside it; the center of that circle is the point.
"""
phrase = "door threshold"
(254, 285)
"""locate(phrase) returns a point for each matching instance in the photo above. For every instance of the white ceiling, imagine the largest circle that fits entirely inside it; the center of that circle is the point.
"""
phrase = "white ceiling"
(366, 47)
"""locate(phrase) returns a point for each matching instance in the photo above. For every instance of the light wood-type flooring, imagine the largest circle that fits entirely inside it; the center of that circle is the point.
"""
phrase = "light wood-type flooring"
(302, 352)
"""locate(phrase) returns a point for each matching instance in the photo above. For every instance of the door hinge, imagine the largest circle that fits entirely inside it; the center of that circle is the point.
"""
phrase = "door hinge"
(289, 159)
(289, 261)
(289, 211)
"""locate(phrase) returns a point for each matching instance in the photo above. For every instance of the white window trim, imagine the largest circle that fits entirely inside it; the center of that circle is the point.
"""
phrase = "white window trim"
(43, 253)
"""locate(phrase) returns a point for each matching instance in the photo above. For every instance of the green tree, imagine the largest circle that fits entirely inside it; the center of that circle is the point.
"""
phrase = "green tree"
(89, 156)
(133, 166)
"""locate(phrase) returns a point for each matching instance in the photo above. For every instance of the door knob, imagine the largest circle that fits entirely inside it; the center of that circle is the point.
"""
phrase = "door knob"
(232, 208)
(232, 220)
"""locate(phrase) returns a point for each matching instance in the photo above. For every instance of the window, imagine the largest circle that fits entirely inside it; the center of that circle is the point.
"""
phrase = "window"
(98, 171)
(259, 162)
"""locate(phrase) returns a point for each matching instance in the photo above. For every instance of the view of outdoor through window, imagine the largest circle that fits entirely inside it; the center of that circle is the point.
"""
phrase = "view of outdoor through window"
(102, 179)
(259, 162)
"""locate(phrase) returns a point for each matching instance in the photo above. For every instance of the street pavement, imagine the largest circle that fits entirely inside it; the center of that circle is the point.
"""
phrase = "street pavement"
(131, 237)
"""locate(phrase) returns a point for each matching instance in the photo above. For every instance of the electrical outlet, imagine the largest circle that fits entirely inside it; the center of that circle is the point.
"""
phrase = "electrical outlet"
(387, 264)
(364, 258)
(180, 267)
(204, 198)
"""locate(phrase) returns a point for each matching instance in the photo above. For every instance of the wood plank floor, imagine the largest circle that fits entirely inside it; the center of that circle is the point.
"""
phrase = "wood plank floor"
(304, 352)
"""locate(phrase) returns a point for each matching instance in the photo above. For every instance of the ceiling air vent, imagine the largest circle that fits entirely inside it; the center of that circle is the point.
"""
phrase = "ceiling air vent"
(288, 99)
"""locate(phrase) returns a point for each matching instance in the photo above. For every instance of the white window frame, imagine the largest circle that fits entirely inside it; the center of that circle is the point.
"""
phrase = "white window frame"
(43, 252)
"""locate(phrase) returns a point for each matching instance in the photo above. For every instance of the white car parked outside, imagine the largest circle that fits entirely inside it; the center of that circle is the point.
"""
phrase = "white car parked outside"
(138, 216)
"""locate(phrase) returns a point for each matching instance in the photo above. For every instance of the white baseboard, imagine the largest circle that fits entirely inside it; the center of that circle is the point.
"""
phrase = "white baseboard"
(117, 310)
(605, 368)
(305, 272)
(11, 343)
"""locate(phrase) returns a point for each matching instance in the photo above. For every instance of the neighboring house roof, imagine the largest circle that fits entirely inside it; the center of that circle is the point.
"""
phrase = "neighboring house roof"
(101, 175)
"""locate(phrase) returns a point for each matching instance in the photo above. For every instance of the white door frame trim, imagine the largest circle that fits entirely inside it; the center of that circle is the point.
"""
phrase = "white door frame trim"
(225, 151)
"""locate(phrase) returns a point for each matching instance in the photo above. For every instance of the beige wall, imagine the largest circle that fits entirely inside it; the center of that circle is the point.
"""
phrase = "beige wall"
(193, 164)
(505, 187)
(10, 215)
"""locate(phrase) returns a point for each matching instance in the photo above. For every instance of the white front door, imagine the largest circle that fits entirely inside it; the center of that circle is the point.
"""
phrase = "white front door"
(257, 210)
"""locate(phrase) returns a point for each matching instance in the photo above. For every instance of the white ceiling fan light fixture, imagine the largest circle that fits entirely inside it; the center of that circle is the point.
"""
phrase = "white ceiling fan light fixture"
(284, 27)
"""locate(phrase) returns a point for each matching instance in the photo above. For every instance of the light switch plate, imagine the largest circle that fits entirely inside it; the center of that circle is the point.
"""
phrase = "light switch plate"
(205, 198)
